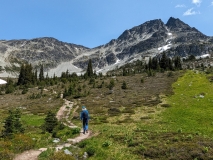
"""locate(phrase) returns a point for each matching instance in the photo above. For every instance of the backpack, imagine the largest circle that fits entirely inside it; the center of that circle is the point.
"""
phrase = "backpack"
(85, 115)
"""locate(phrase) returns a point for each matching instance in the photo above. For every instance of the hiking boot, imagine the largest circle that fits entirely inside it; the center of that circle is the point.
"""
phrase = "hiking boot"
(83, 132)
(86, 131)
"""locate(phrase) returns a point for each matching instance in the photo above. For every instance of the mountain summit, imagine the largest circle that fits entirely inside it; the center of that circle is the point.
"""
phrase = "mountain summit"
(176, 25)
(149, 39)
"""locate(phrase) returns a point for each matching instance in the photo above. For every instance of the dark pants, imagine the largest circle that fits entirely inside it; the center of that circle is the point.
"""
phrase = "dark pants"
(85, 124)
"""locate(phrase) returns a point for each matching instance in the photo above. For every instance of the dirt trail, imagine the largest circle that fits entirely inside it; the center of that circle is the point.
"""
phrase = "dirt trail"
(62, 114)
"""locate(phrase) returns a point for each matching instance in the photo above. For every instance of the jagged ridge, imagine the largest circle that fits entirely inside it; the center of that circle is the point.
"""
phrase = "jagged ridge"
(148, 39)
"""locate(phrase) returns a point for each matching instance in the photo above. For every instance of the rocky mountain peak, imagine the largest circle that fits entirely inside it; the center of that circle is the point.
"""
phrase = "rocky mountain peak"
(146, 40)
(147, 27)
(175, 24)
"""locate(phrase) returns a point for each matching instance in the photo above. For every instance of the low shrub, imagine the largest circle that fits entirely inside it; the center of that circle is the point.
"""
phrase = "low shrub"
(22, 143)
(82, 144)
(60, 155)
(166, 105)
(90, 151)
(6, 154)
(106, 144)
(66, 133)
(46, 154)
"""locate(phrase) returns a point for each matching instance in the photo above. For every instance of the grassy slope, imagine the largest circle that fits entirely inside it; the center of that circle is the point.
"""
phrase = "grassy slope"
(151, 133)
(192, 105)
(142, 129)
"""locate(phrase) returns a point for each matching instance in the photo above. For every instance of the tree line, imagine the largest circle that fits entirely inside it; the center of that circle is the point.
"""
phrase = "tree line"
(154, 64)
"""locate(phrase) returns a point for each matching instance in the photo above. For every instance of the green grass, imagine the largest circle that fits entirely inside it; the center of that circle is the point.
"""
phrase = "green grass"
(150, 123)
(32, 120)
(191, 105)
(111, 143)
(186, 123)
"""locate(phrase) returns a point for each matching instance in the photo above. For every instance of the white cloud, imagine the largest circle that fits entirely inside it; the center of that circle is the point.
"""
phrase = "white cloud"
(180, 6)
(190, 12)
(197, 2)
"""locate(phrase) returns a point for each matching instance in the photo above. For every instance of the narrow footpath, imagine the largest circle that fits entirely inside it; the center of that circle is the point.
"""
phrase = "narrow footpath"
(62, 114)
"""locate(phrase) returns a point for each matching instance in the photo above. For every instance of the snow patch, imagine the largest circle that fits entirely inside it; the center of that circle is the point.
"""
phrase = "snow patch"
(99, 70)
(76, 67)
(164, 48)
(203, 56)
(118, 61)
(2, 81)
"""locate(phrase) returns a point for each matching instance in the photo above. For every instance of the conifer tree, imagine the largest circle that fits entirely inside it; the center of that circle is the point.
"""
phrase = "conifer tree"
(155, 64)
(124, 85)
(111, 84)
(21, 75)
(89, 69)
(50, 122)
(124, 72)
(170, 64)
(67, 73)
(41, 73)
(9, 87)
(12, 123)
(26, 75)
(177, 63)
(36, 75)
(164, 62)
(150, 63)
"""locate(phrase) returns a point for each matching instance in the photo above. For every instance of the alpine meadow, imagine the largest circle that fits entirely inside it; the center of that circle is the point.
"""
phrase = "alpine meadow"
(148, 94)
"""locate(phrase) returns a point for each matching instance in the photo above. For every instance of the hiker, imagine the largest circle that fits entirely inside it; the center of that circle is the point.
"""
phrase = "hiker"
(84, 116)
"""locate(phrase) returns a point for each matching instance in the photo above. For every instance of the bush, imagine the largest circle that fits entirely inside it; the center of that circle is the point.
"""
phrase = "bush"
(124, 85)
(50, 122)
(9, 89)
(5, 144)
(46, 154)
(170, 74)
(76, 130)
(90, 151)
(24, 91)
(66, 132)
(60, 155)
(106, 144)
(82, 144)
(22, 143)
(92, 81)
(6, 154)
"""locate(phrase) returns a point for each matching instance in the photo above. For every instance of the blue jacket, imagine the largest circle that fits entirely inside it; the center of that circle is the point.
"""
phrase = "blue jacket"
(81, 115)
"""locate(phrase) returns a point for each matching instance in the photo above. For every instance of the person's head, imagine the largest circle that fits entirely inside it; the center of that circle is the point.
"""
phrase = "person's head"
(83, 108)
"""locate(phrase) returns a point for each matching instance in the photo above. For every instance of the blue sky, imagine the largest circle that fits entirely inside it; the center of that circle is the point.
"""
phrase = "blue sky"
(95, 22)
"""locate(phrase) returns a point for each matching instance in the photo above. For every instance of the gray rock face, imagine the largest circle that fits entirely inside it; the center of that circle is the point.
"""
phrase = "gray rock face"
(148, 39)
(47, 51)
(151, 39)
(176, 25)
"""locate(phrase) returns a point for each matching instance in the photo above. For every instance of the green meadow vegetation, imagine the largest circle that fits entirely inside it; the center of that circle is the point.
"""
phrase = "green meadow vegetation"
(191, 105)
(180, 127)
(136, 112)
